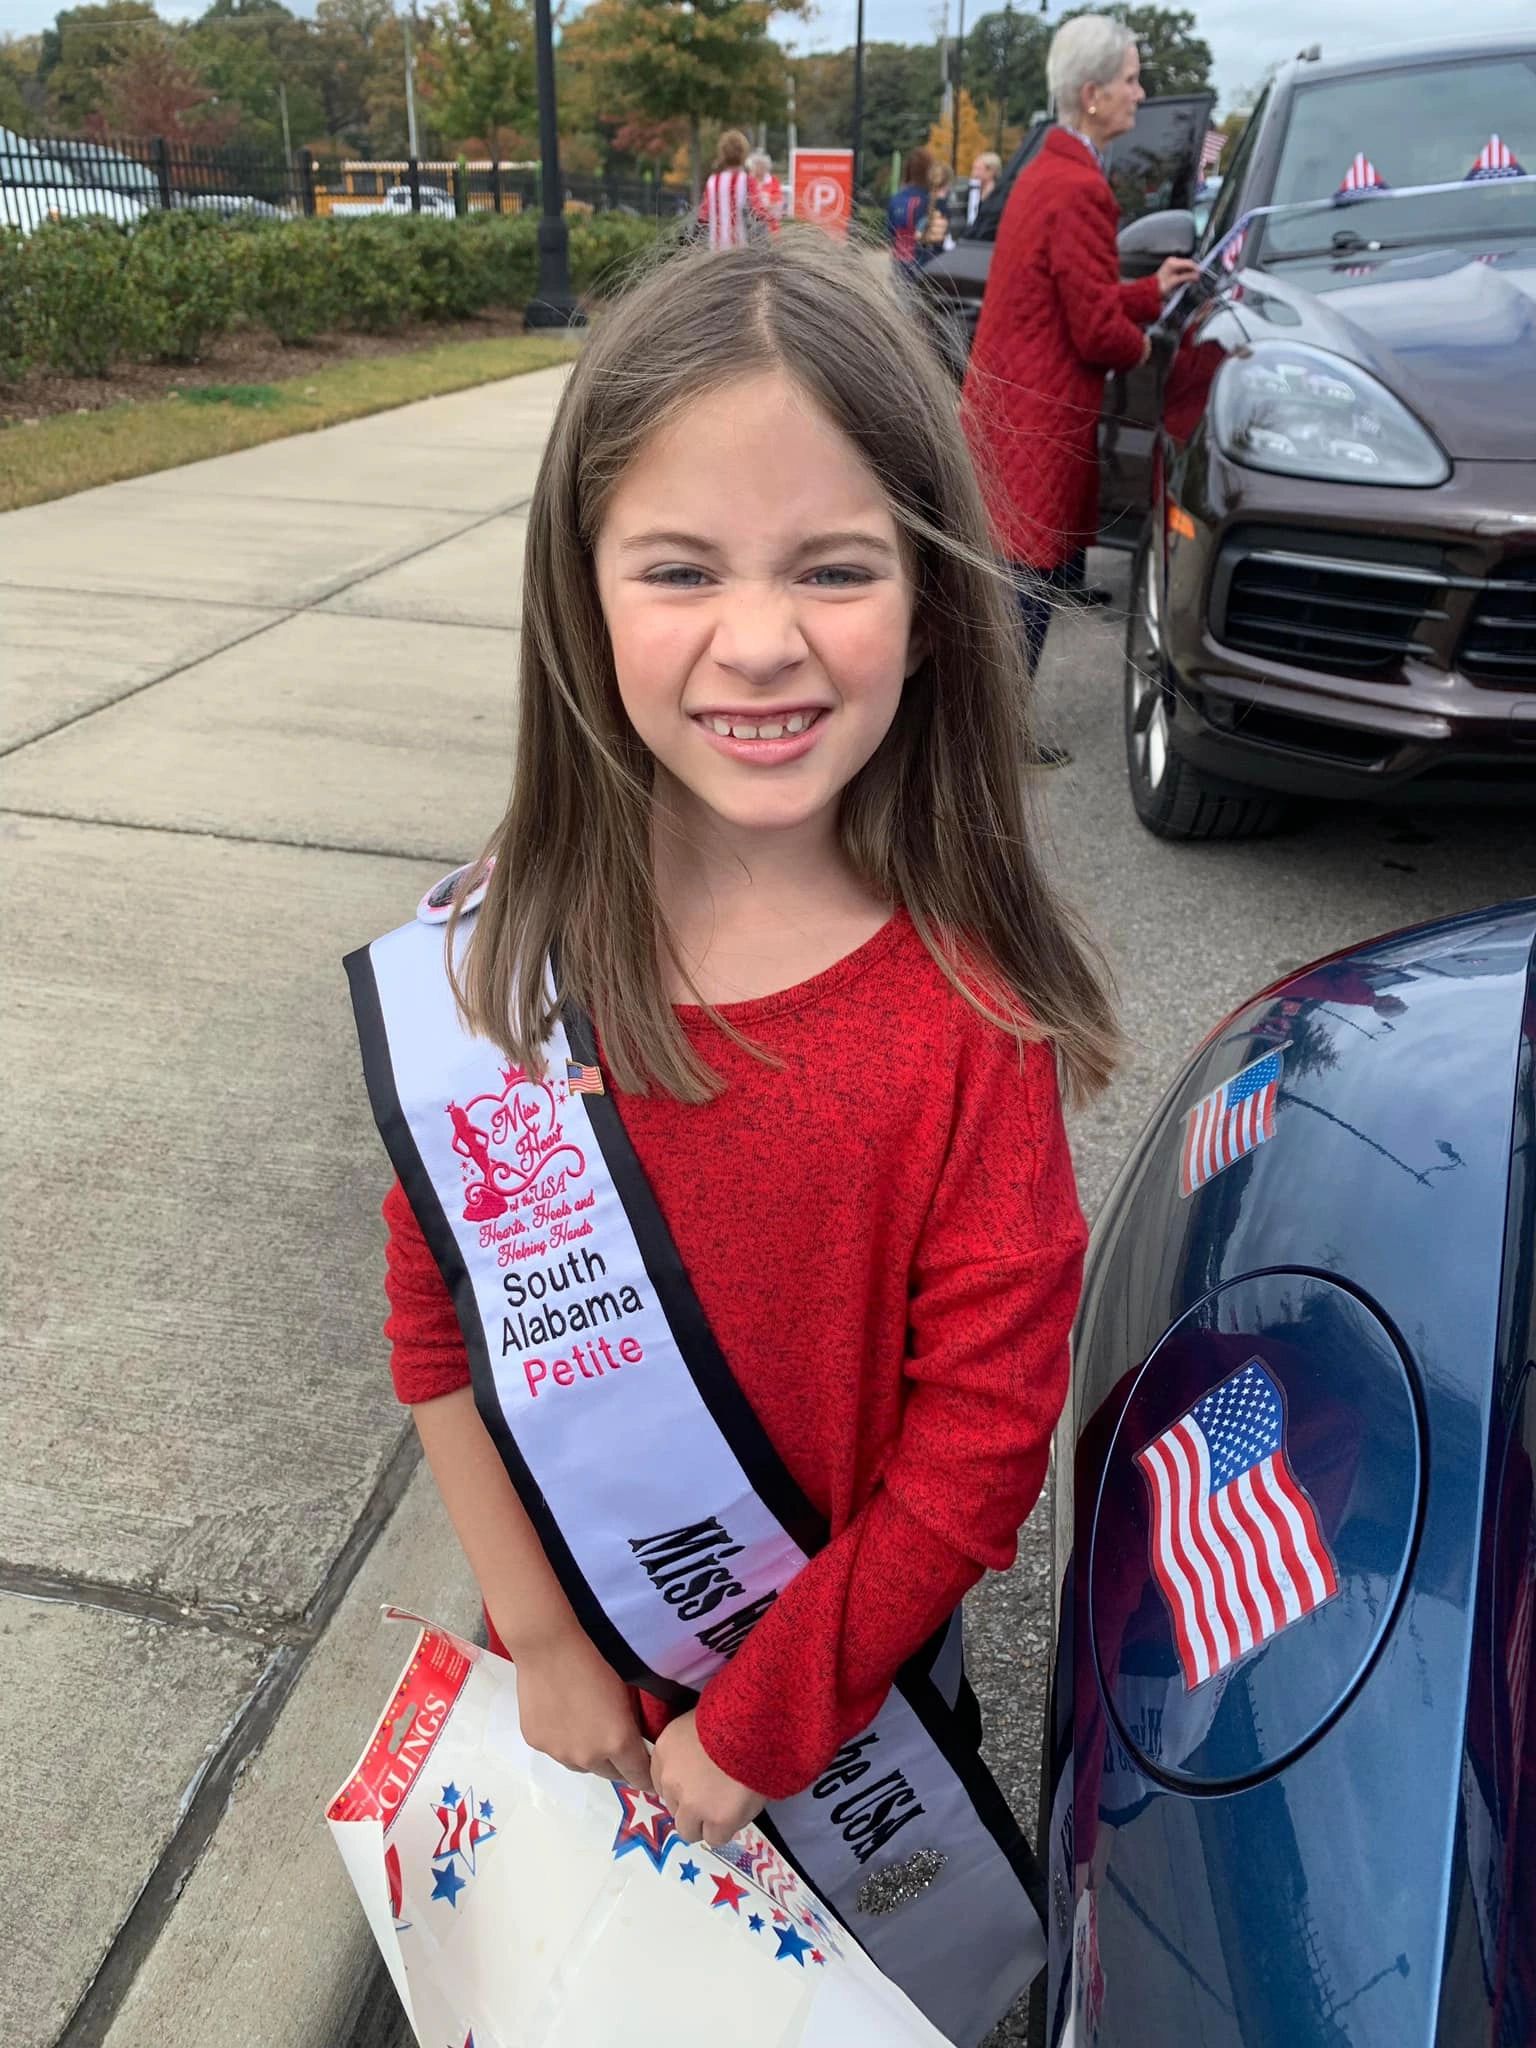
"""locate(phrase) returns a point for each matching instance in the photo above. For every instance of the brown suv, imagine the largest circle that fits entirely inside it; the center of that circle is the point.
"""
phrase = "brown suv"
(1335, 590)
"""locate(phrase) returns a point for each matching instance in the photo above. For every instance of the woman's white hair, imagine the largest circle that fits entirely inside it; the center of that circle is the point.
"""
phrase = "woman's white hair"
(1088, 50)
(759, 163)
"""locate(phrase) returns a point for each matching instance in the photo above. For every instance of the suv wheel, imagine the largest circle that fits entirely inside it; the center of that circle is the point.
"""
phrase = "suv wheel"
(1171, 798)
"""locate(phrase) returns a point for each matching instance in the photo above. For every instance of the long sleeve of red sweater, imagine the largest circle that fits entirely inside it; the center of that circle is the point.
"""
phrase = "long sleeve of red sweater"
(994, 1288)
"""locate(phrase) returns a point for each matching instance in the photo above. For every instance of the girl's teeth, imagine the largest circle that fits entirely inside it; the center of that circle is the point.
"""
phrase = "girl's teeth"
(738, 729)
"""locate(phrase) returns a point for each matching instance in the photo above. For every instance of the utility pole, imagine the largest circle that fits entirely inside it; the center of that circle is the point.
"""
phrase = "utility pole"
(946, 104)
(792, 137)
(1009, 28)
(959, 74)
(555, 305)
(858, 100)
(411, 148)
(282, 102)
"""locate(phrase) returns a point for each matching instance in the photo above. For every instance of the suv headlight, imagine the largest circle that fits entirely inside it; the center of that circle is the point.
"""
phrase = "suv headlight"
(1299, 411)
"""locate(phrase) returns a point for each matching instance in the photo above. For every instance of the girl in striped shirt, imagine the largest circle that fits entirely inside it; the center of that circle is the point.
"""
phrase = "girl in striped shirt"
(726, 209)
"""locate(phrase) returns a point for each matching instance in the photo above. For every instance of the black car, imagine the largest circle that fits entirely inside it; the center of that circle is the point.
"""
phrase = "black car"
(1292, 1769)
(1329, 465)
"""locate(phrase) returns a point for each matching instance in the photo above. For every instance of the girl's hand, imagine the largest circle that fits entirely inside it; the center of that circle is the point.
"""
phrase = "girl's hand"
(706, 1803)
(574, 1707)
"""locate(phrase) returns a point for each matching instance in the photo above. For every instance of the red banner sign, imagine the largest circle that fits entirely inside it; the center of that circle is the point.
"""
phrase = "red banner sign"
(821, 187)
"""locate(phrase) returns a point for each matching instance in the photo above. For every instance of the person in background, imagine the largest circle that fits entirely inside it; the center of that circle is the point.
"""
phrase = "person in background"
(767, 192)
(985, 172)
(907, 209)
(725, 211)
(1056, 320)
(934, 235)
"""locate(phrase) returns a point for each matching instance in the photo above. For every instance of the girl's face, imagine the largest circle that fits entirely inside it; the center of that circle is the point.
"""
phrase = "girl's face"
(759, 605)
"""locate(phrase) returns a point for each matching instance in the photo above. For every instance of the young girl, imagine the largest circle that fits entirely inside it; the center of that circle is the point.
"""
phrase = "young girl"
(735, 1243)
(727, 210)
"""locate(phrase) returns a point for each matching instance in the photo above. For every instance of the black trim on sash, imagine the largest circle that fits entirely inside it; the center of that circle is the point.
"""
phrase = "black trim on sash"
(379, 1073)
(983, 1790)
(718, 1388)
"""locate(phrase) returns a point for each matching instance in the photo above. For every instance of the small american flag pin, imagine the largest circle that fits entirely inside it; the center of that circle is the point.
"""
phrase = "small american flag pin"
(581, 1080)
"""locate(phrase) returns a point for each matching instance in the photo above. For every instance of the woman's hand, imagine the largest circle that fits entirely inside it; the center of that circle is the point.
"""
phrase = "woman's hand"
(574, 1707)
(1174, 273)
(706, 1803)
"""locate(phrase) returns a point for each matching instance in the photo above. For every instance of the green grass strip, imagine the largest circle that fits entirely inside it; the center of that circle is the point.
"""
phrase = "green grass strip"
(75, 451)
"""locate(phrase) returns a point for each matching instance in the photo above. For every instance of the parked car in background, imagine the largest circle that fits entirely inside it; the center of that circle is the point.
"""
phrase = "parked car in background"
(230, 205)
(1291, 1766)
(397, 199)
(1335, 439)
(103, 168)
(37, 187)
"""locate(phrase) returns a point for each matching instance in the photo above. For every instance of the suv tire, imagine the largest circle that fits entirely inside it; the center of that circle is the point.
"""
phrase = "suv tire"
(1172, 799)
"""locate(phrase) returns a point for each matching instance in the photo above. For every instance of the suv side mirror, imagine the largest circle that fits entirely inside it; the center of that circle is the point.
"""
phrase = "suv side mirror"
(1145, 243)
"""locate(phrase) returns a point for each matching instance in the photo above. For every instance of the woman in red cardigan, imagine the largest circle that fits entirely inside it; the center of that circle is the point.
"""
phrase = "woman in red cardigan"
(1056, 319)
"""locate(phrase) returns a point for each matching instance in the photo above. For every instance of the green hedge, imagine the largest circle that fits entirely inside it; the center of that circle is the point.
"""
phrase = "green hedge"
(79, 296)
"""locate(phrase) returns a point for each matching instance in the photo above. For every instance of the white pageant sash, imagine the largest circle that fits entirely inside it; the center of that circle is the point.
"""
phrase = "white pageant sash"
(669, 1518)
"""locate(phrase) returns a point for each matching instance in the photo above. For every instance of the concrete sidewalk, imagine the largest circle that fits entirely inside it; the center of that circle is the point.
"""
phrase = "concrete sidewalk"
(244, 705)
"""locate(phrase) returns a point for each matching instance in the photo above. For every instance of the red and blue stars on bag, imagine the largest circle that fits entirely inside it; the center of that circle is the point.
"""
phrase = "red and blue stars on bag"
(466, 1826)
(645, 1824)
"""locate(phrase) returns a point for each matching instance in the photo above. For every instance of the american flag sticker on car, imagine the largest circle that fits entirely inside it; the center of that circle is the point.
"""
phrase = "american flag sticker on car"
(1237, 1549)
(1230, 1122)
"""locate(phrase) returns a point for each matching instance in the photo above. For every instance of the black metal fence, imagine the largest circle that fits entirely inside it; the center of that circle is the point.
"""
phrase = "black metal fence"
(63, 177)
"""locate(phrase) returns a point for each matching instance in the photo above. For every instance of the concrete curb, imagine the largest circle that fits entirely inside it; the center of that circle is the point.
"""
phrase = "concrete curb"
(266, 1946)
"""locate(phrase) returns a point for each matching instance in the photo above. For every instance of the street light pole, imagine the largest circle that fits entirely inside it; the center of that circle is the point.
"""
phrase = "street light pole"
(858, 99)
(555, 305)
(410, 92)
(959, 74)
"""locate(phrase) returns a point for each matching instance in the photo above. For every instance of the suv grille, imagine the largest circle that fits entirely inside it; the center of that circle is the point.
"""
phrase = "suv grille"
(1343, 615)
(1500, 642)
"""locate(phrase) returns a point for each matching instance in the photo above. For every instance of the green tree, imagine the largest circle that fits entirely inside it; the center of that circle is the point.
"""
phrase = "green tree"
(82, 47)
(901, 100)
(21, 92)
(255, 54)
(699, 60)
(154, 90)
(1005, 66)
(347, 47)
(1173, 58)
(482, 70)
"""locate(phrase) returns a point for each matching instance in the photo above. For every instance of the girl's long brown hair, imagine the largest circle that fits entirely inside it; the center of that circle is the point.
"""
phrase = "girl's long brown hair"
(938, 819)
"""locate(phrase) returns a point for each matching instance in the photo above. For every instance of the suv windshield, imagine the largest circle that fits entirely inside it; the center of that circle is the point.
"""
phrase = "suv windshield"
(1413, 126)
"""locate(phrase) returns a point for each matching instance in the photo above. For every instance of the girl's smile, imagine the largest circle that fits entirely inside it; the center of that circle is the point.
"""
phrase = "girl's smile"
(764, 737)
(759, 608)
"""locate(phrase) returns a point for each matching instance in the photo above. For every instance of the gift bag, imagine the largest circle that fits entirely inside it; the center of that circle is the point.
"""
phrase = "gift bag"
(521, 1905)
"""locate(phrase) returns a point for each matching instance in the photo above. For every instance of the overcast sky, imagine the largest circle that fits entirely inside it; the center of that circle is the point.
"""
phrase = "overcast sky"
(1246, 36)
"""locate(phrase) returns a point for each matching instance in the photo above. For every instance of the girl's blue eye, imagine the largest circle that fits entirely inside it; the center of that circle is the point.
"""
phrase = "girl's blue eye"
(839, 576)
(675, 576)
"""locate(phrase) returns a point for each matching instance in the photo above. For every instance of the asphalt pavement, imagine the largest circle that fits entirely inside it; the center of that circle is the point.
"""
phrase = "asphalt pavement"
(250, 710)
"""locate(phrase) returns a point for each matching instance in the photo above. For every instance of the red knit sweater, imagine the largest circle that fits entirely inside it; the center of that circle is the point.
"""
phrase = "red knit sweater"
(884, 1234)
(1055, 319)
